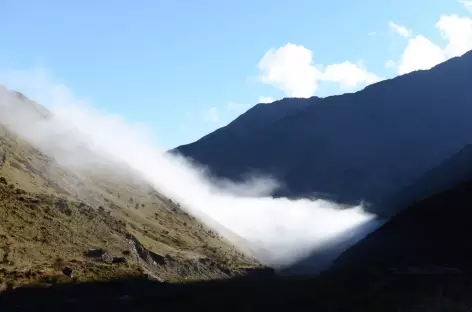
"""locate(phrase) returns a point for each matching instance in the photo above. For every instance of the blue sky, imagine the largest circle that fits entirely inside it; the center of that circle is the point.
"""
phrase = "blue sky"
(188, 67)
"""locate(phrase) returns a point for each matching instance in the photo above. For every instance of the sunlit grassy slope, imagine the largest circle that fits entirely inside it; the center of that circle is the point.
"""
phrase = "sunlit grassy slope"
(50, 217)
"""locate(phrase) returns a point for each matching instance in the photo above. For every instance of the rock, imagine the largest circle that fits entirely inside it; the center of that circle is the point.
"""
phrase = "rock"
(107, 258)
(118, 260)
(3, 181)
(183, 271)
(63, 207)
(205, 261)
(95, 253)
(146, 255)
(151, 277)
(158, 259)
(67, 271)
(101, 254)
(4, 253)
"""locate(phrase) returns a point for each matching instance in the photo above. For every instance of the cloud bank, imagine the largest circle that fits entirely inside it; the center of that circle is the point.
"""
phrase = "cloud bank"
(291, 68)
(277, 231)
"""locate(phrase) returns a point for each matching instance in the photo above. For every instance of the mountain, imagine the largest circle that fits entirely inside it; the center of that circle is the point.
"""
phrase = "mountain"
(429, 234)
(363, 146)
(242, 129)
(65, 220)
(453, 171)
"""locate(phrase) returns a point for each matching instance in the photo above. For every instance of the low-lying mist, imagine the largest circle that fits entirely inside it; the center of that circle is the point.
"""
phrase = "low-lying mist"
(278, 232)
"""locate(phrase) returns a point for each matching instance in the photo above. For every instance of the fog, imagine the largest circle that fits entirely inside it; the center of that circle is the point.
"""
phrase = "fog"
(278, 231)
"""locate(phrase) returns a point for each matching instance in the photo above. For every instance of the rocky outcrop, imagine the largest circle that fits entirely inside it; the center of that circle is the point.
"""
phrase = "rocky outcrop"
(103, 255)
(144, 254)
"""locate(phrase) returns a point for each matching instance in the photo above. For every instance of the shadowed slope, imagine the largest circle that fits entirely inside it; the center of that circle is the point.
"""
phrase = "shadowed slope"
(361, 146)
(432, 232)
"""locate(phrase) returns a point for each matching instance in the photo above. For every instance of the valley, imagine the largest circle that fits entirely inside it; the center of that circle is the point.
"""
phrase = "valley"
(81, 229)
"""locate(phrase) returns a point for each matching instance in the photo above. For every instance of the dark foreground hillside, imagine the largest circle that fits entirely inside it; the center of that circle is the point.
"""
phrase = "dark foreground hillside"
(359, 291)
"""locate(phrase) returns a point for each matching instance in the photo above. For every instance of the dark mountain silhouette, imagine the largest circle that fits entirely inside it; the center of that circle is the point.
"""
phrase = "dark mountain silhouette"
(367, 145)
(434, 232)
(242, 129)
(450, 173)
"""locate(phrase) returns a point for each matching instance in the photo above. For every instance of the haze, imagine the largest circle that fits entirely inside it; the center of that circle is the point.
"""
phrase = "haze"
(278, 232)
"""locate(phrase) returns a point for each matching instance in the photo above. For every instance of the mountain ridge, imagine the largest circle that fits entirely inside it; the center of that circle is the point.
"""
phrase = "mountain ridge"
(356, 147)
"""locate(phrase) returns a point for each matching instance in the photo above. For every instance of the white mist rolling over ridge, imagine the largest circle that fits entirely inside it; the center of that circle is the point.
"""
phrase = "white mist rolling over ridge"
(277, 231)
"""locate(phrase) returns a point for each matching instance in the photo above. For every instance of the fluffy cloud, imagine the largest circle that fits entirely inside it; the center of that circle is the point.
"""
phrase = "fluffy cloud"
(401, 30)
(291, 69)
(421, 53)
(211, 115)
(349, 75)
(457, 31)
(265, 99)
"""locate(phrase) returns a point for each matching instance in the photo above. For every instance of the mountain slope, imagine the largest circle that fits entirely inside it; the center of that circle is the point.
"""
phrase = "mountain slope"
(361, 146)
(455, 170)
(243, 128)
(55, 215)
(430, 233)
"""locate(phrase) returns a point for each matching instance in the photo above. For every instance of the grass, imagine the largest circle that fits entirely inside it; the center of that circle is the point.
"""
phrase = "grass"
(49, 212)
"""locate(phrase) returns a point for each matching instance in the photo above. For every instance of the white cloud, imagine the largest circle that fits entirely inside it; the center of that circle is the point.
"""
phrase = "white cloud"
(372, 33)
(265, 99)
(349, 75)
(279, 231)
(211, 115)
(400, 30)
(457, 31)
(291, 69)
(421, 53)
